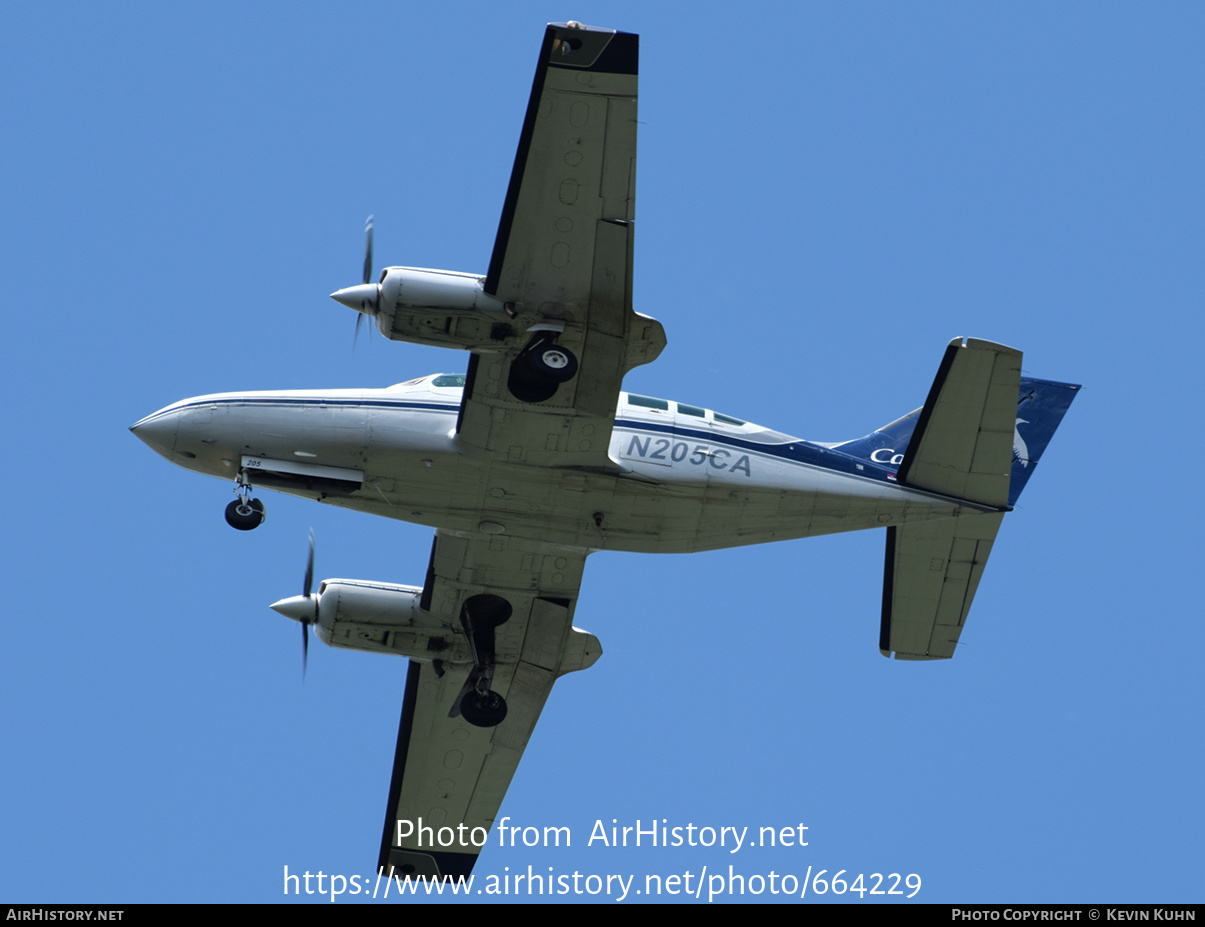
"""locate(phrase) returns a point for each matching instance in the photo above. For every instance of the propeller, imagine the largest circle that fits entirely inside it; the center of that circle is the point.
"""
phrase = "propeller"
(309, 582)
(302, 608)
(367, 276)
(365, 298)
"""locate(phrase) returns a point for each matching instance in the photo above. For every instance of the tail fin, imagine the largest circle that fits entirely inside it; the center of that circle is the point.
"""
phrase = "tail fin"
(1041, 408)
(887, 445)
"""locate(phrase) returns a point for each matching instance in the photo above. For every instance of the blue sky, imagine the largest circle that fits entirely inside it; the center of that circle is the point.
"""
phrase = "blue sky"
(826, 195)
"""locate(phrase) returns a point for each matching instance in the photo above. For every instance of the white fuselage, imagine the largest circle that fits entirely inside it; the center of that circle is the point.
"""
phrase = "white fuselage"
(685, 479)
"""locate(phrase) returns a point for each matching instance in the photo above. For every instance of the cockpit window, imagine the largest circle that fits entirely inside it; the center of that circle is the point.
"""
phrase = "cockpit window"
(449, 380)
(728, 419)
(648, 402)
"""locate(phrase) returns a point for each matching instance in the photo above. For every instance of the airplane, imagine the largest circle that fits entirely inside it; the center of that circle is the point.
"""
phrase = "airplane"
(536, 457)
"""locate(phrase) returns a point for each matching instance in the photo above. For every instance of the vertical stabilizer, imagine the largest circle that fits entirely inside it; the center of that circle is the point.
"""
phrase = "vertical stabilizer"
(1042, 406)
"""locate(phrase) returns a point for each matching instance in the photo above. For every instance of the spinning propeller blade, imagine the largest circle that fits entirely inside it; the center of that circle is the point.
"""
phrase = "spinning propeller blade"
(365, 298)
(305, 594)
(368, 251)
(303, 608)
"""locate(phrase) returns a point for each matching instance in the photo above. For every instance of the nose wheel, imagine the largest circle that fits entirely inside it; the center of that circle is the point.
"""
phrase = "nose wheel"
(244, 513)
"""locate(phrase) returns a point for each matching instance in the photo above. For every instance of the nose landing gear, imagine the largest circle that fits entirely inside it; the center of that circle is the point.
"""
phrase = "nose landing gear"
(244, 513)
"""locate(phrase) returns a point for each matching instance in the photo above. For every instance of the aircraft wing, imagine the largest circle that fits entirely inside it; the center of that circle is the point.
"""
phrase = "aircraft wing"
(562, 268)
(562, 260)
(447, 772)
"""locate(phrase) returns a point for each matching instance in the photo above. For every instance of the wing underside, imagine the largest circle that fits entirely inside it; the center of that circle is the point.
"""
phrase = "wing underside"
(562, 260)
(562, 270)
(449, 776)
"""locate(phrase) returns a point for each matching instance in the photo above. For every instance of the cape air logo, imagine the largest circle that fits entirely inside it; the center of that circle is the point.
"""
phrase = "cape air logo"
(1020, 449)
(887, 455)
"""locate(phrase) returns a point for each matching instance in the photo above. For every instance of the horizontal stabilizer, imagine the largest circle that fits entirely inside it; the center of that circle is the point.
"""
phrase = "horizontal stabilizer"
(931, 573)
(963, 442)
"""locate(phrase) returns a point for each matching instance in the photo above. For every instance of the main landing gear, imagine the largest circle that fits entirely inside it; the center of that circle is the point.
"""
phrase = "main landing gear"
(551, 362)
(244, 513)
(478, 703)
(540, 368)
(483, 710)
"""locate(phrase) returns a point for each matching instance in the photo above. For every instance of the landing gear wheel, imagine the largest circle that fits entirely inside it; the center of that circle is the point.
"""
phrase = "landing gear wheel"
(483, 710)
(245, 515)
(553, 362)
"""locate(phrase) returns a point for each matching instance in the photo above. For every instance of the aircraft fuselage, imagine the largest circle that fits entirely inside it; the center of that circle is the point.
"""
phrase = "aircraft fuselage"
(682, 480)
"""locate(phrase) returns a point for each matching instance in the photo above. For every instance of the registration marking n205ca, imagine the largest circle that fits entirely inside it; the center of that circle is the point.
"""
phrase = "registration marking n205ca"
(665, 452)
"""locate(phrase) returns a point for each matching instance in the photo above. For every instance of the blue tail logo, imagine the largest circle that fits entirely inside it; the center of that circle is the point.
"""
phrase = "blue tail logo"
(1040, 408)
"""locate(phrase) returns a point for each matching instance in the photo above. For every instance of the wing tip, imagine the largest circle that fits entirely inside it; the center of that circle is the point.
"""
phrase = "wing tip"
(592, 48)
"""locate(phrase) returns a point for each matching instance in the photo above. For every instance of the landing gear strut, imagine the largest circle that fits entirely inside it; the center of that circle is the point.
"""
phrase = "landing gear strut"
(478, 704)
(244, 513)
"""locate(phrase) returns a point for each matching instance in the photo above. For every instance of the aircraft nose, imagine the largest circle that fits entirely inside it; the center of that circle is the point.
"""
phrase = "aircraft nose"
(158, 431)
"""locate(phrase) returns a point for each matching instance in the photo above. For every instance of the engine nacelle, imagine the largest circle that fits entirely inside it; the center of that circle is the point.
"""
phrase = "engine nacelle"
(439, 307)
(384, 618)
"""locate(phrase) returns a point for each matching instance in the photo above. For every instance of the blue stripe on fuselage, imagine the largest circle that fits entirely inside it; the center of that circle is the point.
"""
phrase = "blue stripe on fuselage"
(796, 452)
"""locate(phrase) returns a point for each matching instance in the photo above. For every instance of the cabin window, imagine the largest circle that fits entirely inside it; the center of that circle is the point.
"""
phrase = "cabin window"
(648, 402)
(449, 380)
(692, 410)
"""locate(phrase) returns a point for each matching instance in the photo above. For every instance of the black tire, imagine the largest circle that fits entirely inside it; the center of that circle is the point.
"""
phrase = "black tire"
(245, 517)
(483, 711)
(552, 362)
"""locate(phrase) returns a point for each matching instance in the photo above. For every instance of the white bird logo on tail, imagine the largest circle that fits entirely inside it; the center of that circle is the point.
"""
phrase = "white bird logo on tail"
(1020, 449)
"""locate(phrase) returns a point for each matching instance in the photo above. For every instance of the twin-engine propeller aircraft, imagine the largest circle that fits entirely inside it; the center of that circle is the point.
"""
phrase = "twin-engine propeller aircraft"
(536, 457)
